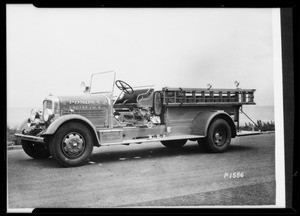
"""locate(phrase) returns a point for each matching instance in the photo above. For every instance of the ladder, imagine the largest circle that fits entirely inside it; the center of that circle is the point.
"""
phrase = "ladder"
(201, 96)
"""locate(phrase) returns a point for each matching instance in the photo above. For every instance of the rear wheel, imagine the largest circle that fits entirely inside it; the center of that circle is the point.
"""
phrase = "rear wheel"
(218, 137)
(174, 143)
(33, 149)
(71, 145)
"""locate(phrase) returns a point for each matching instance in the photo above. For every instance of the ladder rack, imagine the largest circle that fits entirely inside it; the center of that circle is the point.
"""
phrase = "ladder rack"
(205, 97)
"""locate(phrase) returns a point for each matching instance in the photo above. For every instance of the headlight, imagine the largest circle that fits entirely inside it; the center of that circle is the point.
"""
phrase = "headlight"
(34, 114)
(48, 113)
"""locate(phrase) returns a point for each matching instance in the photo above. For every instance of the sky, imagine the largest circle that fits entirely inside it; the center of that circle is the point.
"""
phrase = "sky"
(54, 50)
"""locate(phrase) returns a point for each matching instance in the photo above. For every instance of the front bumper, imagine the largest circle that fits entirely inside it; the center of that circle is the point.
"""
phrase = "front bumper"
(30, 138)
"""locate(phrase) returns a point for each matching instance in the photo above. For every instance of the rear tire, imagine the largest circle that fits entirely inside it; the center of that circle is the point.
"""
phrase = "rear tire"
(71, 145)
(174, 143)
(33, 149)
(218, 137)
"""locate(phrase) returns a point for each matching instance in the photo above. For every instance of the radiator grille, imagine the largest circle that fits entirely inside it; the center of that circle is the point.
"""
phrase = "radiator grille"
(97, 116)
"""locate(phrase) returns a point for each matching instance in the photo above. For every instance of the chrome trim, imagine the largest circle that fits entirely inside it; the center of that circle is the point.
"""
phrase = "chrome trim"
(30, 138)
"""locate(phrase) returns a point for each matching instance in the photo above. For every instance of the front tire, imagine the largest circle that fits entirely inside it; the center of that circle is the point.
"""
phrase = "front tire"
(33, 149)
(218, 137)
(71, 145)
(174, 144)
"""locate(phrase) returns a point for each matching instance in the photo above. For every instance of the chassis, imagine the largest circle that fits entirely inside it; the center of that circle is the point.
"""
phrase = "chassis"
(67, 128)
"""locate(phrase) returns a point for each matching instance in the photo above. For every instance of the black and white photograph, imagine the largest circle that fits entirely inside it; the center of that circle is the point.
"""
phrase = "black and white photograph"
(144, 108)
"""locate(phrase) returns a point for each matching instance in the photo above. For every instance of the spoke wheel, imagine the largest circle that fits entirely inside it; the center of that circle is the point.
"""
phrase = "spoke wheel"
(123, 86)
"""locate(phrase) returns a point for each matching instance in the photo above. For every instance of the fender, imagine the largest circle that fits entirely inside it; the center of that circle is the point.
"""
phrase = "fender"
(203, 120)
(68, 118)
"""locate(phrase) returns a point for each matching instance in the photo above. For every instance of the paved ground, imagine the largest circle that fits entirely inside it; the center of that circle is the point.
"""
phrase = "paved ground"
(148, 175)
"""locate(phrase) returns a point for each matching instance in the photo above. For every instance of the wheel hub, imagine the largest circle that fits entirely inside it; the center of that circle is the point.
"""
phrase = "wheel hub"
(219, 137)
(73, 144)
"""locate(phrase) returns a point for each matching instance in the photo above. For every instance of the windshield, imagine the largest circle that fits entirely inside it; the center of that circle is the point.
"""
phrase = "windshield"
(102, 82)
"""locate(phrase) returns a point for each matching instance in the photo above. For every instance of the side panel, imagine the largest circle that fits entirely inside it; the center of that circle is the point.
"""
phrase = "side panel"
(68, 118)
(179, 119)
(195, 120)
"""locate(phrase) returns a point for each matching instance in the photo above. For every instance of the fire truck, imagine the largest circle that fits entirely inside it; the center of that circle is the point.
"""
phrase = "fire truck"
(68, 127)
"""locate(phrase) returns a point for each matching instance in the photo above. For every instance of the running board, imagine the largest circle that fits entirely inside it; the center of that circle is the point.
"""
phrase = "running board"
(154, 139)
(248, 133)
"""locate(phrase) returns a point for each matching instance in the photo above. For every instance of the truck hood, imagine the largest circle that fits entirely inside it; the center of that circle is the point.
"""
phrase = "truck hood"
(87, 101)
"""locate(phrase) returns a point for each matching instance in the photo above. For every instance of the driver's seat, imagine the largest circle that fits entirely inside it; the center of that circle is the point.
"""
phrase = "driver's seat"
(139, 98)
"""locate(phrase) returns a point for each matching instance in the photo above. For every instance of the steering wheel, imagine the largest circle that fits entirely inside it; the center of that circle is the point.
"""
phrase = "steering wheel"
(123, 86)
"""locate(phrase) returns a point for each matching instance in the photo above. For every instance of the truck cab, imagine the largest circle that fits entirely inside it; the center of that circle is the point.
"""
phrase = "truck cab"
(67, 128)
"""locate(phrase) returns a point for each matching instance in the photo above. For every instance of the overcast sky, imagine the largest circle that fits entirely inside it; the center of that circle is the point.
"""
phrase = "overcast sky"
(53, 50)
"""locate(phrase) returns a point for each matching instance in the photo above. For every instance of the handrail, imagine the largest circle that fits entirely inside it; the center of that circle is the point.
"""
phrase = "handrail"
(198, 96)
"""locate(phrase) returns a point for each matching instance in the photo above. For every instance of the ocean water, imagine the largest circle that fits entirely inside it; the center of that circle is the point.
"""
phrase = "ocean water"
(265, 113)
(15, 116)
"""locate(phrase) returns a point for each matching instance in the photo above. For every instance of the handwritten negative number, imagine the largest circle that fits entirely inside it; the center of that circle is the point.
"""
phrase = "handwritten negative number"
(234, 175)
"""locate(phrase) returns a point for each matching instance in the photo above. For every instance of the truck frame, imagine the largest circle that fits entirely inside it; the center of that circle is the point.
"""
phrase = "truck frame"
(67, 128)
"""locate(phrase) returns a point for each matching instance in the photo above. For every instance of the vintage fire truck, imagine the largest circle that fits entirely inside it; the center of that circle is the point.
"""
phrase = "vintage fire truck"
(67, 128)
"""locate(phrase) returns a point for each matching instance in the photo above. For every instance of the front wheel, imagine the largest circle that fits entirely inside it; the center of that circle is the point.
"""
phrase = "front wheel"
(174, 143)
(218, 137)
(71, 145)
